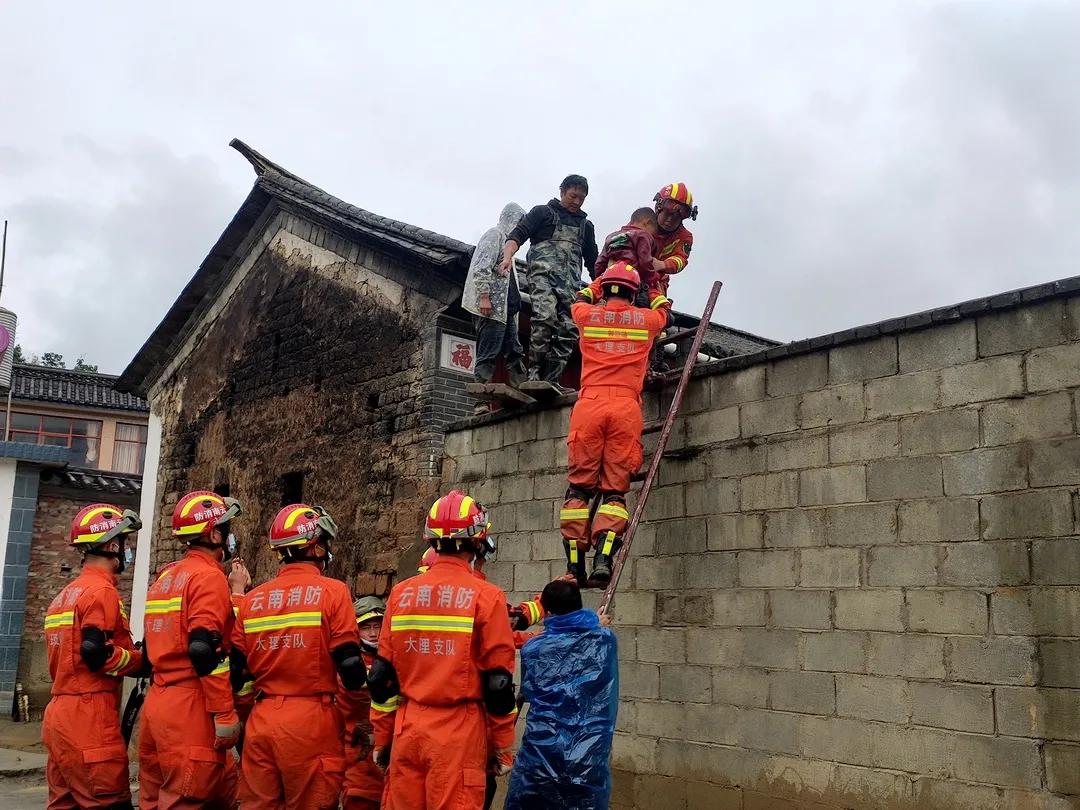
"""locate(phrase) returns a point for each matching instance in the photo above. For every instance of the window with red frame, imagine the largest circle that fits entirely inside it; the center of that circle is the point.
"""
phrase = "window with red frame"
(81, 435)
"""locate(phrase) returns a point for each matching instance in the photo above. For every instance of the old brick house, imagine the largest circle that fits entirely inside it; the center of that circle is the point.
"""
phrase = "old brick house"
(318, 354)
(70, 440)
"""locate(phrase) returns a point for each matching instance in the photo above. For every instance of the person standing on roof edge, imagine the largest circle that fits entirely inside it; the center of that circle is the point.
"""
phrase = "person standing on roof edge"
(604, 442)
(674, 204)
(491, 294)
(560, 238)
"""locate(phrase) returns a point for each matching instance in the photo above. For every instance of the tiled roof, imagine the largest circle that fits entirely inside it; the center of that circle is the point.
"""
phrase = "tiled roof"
(66, 387)
(46, 454)
(285, 185)
(94, 480)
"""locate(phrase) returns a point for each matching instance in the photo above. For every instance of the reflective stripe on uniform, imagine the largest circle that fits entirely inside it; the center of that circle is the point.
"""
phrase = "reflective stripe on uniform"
(222, 668)
(447, 624)
(125, 659)
(573, 551)
(612, 333)
(534, 611)
(285, 620)
(391, 705)
(65, 619)
(609, 541)
(247, 688)
(159, 606)
(615, 510)
(574, 514)
(658, 302)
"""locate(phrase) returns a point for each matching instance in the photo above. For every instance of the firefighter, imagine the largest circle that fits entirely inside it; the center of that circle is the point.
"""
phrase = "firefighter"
(674, 204)
(604, 441)
(89, 650)
(363, 786)
(189, 720)
(447, 652)
(292, 634)
(522, 615)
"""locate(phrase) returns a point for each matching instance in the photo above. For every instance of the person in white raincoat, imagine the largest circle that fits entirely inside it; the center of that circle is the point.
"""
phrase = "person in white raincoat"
(495, 300)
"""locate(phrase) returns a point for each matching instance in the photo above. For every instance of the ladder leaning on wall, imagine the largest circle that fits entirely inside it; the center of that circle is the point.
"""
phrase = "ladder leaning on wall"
(665, 426)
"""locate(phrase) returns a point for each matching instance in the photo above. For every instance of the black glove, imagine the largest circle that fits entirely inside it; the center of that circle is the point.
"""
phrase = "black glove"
(518, 620)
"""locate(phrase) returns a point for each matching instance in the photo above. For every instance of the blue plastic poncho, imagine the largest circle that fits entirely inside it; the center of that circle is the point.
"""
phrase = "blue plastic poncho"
(570, 677)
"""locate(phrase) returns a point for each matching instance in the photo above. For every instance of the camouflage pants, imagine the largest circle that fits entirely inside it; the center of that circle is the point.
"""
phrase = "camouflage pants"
(554, 271)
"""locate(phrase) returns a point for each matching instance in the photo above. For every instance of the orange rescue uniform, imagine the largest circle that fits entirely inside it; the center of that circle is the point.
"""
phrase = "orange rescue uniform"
(179, 767)
(442, 629)
(673, 249)
(604, 442)
(88, 764)
(363, 786)
(286, 629)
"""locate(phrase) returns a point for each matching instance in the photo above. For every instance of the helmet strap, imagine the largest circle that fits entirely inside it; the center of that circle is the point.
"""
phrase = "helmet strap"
(118, 555)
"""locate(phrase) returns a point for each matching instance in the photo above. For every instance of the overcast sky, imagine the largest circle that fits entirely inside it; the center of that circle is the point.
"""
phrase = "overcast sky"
(851, 161)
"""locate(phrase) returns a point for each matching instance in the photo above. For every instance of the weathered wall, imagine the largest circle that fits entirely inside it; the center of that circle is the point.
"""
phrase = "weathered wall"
(309, 378)
(858, 585)
(53, 564)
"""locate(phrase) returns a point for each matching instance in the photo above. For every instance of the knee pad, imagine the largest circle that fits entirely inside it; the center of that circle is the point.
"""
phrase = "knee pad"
(497, 686)
(612, 516)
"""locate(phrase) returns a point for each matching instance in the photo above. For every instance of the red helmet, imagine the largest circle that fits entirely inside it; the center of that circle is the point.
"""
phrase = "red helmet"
(99, 523)
(197, 513)
(457, 517)
(621, 274)
(299, 525)
(677, 193)
(428, 560)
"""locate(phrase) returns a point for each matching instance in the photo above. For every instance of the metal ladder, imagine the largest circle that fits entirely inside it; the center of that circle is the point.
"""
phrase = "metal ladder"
(665, 426)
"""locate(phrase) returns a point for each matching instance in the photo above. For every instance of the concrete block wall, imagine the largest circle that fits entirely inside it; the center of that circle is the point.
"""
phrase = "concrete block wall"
(858, 584)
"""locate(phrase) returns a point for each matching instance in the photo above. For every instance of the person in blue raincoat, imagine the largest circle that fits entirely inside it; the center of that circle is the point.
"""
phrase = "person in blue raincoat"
(570, 678)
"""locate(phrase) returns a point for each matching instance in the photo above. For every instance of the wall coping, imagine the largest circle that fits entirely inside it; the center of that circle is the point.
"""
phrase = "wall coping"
(1048, 291)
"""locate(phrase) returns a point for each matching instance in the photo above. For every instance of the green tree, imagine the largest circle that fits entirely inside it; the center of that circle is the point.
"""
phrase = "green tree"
(82, 365)
(53, 360)
(18, 356)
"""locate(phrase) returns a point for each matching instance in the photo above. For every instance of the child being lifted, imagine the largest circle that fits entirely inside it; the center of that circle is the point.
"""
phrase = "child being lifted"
(635, 244)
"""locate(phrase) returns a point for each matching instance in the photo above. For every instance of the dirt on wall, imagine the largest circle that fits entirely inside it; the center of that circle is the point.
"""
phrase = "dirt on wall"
(306, 387)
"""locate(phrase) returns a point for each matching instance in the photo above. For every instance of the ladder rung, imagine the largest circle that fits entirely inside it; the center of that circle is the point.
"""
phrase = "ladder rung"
(653, 427)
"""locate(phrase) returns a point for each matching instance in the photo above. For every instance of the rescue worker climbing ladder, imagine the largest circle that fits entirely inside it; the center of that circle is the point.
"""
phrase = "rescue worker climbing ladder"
(604, 441)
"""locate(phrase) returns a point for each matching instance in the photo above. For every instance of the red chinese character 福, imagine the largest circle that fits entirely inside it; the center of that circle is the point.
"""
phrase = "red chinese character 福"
(461, 355)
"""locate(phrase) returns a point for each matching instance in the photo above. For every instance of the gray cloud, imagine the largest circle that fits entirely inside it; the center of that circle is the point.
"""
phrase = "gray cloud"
(852, 161)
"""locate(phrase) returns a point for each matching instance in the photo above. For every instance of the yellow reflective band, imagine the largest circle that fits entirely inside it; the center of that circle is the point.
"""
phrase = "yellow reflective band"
(89, 538)
(675, 191)
(614, 510)
(613, 333)
(609, 541)
(247, 688)
(466, 504)
(447, 624)
(294, 514)
(658, 302)
(390, 706)
(679, 261)
(573, 552)
(574, 514)
(125, 659)
(65, 619)
(222, 668)
(374, 614)
(158, 606)
(194, 529)
(434, 509)
(586, 292)
(285, 620)
(534, 612)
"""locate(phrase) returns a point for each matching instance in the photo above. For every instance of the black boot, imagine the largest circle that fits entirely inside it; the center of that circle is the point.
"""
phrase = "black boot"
(606, 549)
(575, 562)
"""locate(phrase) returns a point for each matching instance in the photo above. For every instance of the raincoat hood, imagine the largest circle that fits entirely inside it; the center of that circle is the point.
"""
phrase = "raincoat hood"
(509, 218)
